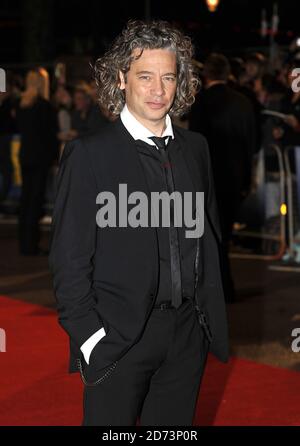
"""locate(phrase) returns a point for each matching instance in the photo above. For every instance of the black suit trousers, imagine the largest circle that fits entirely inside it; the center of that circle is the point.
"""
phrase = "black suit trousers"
(34, 183)
(156, 383)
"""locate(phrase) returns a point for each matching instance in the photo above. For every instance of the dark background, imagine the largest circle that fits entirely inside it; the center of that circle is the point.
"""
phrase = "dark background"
(41, 30)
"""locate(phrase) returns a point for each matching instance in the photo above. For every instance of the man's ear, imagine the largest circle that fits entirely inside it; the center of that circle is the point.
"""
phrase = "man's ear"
(122, 80)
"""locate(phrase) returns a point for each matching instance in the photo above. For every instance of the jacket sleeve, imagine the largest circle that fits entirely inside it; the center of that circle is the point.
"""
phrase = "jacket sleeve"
(73, 242)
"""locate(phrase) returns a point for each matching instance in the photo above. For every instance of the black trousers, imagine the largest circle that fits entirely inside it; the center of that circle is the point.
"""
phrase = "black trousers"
(6, 169)
(157, 381)
(34, 182)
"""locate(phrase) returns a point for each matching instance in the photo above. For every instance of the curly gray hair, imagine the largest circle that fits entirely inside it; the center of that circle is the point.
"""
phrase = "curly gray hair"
(157, 34)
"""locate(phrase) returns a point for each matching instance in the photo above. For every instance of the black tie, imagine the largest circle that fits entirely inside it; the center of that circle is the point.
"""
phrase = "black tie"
(160, 142)
(173, 233)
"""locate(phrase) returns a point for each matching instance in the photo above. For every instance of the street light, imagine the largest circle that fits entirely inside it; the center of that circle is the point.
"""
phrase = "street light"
(212, 5)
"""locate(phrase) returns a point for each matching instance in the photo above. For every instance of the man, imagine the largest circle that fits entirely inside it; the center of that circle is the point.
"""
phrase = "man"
(125, 293)
(37, 126)
(226, 119)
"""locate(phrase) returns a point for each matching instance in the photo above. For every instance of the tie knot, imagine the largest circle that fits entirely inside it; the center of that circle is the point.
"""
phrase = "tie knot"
(160, 142)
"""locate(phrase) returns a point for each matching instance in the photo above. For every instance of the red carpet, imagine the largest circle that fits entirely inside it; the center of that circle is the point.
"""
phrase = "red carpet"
(37, 390)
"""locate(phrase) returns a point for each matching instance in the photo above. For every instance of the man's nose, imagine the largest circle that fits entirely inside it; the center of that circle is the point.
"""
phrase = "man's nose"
(157, 87)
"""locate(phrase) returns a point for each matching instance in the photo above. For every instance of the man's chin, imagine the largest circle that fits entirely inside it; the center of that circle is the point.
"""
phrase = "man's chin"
(156, 114)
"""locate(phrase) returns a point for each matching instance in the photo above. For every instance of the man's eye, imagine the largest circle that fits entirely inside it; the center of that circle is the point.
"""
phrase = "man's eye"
(145, 77)
(170, 78)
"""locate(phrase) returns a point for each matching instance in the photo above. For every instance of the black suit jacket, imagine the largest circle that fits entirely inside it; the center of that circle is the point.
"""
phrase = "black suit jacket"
(109, 276)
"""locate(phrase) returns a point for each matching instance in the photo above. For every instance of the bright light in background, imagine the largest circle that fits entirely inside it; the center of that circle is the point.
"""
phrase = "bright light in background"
(283, 209)
(298, 41)
(212, 5)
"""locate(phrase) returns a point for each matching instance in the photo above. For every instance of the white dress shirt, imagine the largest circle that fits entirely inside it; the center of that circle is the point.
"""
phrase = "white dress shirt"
(137, 131)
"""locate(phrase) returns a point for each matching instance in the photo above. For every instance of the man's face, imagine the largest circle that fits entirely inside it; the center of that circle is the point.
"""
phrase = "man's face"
(151, 85)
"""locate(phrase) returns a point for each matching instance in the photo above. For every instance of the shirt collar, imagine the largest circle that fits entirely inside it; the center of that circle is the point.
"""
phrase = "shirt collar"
(138, 131)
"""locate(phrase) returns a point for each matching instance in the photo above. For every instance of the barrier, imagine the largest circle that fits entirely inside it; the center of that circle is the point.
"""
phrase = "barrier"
(271, 191)
(292, 166)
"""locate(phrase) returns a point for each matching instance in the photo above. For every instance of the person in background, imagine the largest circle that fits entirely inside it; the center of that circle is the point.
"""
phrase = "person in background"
(7, 129)
(37, 125)
(105, 114)
(86, 118)
(254, 68)
(62, 101)
(287, 131)
(226, 118)
(245, 78)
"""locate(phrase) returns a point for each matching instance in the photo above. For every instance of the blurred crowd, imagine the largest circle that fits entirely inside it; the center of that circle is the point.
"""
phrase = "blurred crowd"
(232, 110)
(243, 109)
(44, 122)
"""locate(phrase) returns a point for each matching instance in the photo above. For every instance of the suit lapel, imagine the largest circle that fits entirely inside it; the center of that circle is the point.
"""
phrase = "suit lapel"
(129, 167)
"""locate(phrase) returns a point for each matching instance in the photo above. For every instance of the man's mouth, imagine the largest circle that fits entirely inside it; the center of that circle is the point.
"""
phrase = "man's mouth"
(155, 105)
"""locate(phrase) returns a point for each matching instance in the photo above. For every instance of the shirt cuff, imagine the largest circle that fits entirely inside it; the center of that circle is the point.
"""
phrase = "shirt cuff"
(90, 343)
